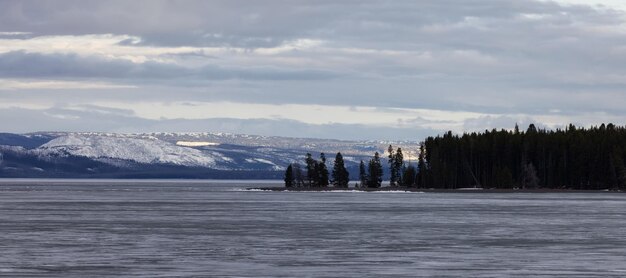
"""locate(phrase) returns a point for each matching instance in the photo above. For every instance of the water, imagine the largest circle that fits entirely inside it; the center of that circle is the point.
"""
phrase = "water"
(177, 228)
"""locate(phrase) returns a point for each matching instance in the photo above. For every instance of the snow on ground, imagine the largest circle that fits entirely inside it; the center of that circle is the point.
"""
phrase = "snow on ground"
(196, 143)
(264, 161)
(213, 150)
(139, 149)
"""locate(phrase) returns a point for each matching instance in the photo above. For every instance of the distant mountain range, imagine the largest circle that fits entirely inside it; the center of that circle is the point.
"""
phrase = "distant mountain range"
(172, 155)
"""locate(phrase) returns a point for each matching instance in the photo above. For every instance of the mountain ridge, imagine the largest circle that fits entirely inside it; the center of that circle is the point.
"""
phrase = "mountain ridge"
(167, 154)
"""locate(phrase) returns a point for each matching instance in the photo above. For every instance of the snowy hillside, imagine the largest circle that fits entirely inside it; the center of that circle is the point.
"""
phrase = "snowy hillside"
(313, 145)
(138, 149)
(172, 155)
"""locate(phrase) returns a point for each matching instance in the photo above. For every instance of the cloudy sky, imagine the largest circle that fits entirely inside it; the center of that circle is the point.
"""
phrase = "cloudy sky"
(330, 69)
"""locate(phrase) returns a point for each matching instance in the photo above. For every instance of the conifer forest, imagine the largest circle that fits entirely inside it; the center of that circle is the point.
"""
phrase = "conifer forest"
(570, 158)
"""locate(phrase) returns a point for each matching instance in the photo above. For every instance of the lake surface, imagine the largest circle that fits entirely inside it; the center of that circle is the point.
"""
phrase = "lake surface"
(212, 228)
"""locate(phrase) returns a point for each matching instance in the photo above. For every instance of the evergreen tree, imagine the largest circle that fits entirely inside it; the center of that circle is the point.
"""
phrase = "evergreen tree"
(322, 171)
(363, 175)
(398, 165)
(504, 178)
(311, 170)
(289, 178)
(409, 176)
(421, 168)
(392, 166)
(529, 176)
(340, 174)
(375, 172)
(620, 169)
(298, 175)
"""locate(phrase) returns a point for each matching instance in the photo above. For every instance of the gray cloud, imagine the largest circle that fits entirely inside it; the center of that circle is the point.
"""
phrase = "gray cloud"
(267, 23)
(21, 64)
(486, 56)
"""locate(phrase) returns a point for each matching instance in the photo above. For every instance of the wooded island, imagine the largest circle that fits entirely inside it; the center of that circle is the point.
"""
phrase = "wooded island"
(571, 158)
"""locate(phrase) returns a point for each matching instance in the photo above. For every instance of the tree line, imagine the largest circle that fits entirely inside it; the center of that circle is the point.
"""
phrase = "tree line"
(571, 158)
(574, 158)
(316, 174)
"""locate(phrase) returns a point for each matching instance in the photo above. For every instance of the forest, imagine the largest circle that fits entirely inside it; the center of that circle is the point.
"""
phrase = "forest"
(570, 158)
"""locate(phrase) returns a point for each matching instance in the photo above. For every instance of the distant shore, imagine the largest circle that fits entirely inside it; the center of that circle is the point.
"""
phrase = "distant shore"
(432, 190)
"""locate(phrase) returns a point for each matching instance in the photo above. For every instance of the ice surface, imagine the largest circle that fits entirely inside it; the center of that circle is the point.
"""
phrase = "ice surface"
(155, 228)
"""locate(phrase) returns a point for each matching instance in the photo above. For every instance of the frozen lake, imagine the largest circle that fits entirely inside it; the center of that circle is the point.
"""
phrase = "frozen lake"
(212, 228)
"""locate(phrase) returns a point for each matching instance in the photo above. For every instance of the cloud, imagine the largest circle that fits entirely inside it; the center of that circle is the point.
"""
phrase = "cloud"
(374, 24)
(500, 60)
(21, 64)
(20, 84)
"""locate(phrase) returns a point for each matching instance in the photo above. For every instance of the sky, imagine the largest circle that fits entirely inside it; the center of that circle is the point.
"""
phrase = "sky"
(388, 70)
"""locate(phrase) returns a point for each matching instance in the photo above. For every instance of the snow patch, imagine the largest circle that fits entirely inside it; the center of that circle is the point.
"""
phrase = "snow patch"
(196, 143)
(261, 160)
(146, 149)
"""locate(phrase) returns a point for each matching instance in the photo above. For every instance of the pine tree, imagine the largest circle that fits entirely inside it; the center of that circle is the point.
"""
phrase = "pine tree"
(298, 175)
(504, 179)
(340, 174)
(289, 178)
(398, 164)
(620, 168)
(375, 172)
(421, 168)
(311, 170)
(392, 166)
(322, 171)
(409, 176)
(529, 176)
(363, 175)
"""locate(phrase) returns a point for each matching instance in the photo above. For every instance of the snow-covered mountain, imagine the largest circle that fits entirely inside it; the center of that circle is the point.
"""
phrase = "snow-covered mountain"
(170, 154)
(141, 149)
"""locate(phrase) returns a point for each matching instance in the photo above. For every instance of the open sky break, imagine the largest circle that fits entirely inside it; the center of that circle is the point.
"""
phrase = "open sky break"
(327, 69)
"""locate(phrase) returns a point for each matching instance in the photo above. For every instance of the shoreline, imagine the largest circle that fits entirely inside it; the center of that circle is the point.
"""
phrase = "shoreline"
(430, 190)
